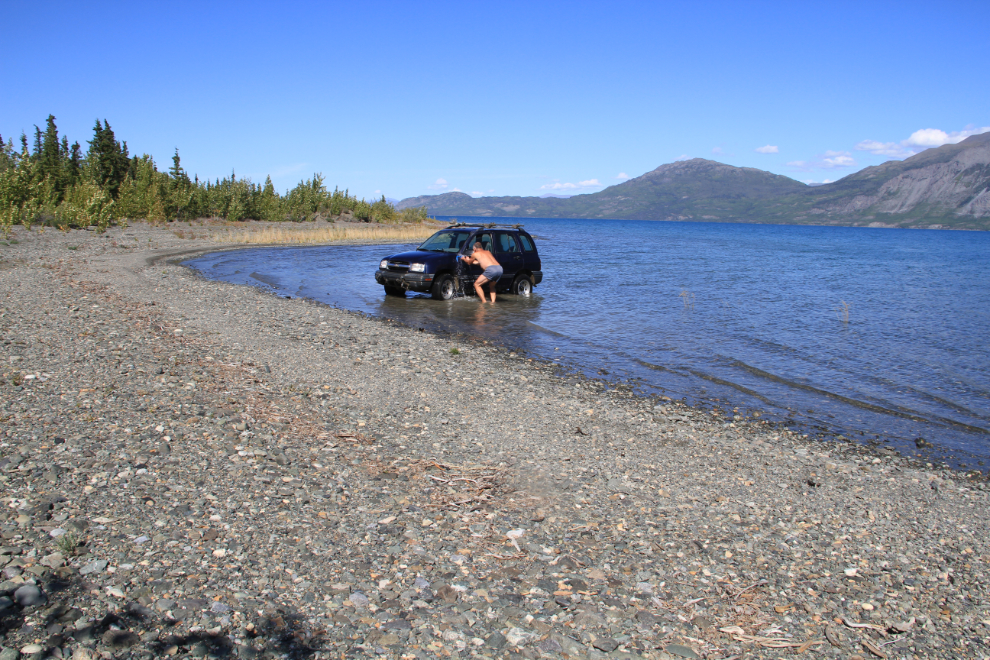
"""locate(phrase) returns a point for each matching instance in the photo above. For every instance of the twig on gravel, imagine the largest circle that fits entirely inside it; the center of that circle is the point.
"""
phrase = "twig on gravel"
(505, 557)
(873, 648)
(872, 626)
(759, 583)
(776, 642)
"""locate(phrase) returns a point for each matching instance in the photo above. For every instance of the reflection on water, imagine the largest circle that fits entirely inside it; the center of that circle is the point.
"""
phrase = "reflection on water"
(509, 317)
(864, 332)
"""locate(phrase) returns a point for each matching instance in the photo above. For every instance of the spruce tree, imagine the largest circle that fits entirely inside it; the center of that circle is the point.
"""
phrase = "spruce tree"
(50, 159)
(74, 164)
(107, 159)
(37, 143)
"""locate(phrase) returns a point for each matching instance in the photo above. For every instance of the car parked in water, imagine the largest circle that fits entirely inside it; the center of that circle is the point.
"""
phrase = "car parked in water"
(434, 266)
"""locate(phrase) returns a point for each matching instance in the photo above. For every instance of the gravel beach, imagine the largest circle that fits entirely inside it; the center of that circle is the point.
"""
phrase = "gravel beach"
(195, 469)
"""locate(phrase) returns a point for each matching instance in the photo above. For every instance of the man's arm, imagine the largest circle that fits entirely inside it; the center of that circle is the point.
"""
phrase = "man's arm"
(469, 260)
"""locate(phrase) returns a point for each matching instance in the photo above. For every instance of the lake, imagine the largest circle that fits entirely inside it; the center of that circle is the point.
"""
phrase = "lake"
(880, 335)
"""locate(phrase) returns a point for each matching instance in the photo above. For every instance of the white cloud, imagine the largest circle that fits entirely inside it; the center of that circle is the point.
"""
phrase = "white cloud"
(476, 193)
(441, 184)
(456, 190)
(829, 160)
(918, 141)
(927, 137)
(622, 175)
(892, 149)
(933, 137)
(581, 185)
(769, 149)
(682, 157)
(838, 159)
(717, 151)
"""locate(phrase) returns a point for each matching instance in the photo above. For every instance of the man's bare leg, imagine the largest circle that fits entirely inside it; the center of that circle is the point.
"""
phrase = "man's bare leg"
(491, 290)
(478, 283)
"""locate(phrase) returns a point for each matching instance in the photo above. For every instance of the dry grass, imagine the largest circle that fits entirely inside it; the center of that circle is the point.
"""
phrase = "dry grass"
(313, 235)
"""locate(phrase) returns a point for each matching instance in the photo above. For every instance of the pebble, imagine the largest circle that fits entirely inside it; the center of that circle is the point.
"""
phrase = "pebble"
(247, 484)
(29, 596)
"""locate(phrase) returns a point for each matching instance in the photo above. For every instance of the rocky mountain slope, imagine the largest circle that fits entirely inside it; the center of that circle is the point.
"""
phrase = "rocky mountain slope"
(948, 186)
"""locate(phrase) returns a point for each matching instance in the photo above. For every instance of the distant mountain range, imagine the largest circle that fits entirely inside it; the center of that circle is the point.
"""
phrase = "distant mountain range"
(946, 187)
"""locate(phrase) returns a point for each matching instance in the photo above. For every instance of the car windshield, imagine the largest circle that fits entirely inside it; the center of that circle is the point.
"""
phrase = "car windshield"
(445, 241)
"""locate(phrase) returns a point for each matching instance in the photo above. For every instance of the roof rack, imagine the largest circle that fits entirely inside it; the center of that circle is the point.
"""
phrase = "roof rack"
(489, 225)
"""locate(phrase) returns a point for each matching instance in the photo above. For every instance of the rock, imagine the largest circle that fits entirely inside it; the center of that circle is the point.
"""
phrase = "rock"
(518, 637)
(359, 600)
(29, 596)
(9, 654)
(119, 639)
(605, 644)
(703, 622)
(447, 593)
(496, 641)
(646, 618)
(95, 566)
(54, 560)
(681, 651)
(5, 603)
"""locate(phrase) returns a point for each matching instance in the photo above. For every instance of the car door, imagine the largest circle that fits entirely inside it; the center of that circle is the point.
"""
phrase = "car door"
(508, 254)
(485, 238)
(530, 256)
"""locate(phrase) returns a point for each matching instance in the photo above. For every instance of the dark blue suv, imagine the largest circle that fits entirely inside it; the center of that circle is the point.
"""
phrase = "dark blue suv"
(434, 265)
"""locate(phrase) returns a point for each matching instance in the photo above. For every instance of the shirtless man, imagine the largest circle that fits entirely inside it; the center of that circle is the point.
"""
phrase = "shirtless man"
(492, 273)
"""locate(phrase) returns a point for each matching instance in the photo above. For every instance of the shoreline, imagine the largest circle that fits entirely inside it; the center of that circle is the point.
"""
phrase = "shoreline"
(350, 484)
(923, 455)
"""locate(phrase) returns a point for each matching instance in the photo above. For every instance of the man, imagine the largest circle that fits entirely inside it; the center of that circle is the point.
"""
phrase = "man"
(492, 273)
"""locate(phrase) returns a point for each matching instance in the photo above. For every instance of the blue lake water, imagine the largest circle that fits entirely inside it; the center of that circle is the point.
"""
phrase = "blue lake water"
(877, 334)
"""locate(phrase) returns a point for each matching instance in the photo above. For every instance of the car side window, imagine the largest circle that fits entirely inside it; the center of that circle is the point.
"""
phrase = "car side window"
(527, 245)
(486, 241)
(506, 242)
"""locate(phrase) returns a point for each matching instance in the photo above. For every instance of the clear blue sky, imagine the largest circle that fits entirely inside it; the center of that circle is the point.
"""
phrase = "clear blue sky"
(502, 98)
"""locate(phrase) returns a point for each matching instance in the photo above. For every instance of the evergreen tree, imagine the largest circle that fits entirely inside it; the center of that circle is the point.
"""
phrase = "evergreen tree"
(107, 160)
(50, 159)
(37, 143)
(74, 164)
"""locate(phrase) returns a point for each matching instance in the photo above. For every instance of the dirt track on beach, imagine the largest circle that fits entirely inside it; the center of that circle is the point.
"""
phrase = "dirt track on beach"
(197, 469)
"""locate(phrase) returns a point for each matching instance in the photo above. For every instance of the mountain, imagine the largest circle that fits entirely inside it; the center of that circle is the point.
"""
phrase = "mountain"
(948, 186)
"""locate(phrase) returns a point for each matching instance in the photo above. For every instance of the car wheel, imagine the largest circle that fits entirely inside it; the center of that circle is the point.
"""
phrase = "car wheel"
(443, 288)
(395, 291)
(522, 286)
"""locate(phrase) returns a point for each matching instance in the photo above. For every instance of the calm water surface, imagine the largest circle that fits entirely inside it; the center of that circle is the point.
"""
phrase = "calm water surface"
(866, 332)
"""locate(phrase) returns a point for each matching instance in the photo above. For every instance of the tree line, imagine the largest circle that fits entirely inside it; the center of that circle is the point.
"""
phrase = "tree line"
(53, 183)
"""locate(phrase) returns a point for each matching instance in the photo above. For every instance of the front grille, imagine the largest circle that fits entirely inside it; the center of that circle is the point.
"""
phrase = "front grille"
(398, 266)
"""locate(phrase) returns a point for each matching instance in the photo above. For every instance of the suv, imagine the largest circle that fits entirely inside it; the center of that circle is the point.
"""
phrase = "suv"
(434, 266)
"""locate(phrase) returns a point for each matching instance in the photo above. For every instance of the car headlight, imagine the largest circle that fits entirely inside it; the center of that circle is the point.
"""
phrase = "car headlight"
(384, 264)
(417, 268)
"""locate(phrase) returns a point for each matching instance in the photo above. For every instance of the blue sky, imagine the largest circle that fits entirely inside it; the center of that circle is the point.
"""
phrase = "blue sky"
(500, 98)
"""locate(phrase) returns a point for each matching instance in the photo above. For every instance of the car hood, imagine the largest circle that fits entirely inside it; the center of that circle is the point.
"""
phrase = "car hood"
(418, 256)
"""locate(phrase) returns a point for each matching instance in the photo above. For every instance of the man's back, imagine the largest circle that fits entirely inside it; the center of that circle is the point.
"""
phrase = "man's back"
(484, 258)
